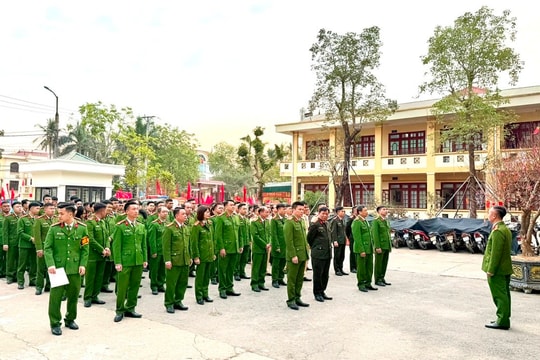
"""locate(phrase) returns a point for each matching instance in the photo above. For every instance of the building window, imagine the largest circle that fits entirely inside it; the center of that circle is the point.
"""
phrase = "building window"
(520, 135)
(317, 149)
(409, 195)
(459, 145)
(363, 194)
(85, 193)
(365, 147)
(407, 143)
(41, 191)
(461, 200)
(14, 167)
(316, 187)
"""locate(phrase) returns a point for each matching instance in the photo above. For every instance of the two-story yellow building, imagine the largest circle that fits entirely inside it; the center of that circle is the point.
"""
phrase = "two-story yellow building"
(402, 162)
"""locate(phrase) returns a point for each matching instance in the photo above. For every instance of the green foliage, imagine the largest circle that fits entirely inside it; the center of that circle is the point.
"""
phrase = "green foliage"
(314, 198)
(46, 142)
(225, 165)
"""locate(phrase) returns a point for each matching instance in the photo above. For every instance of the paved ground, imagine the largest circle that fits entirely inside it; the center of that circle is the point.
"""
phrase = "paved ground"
(436, 308)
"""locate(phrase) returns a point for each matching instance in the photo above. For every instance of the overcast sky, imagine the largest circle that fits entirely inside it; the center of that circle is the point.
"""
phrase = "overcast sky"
(216, 69)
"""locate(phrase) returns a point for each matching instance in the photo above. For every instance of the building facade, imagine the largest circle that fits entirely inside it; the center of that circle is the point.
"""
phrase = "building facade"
(402, 161)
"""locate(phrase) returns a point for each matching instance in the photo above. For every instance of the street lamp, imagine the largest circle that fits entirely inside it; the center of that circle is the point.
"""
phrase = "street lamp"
(56, 124)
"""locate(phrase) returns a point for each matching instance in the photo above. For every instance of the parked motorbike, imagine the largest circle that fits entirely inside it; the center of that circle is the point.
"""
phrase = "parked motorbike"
(481, 241)
(469, 242)
(438, 240)
(421, 239)
(408, 236)
(397, 238)
(454, 241)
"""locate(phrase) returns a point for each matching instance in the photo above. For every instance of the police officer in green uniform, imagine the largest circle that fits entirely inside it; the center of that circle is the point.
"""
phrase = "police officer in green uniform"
(383, 245)
(244, 240)
(296, 255)
(261, 237)
(41, 228)
(66, 246)
(27, 249)
(497, 264)
(203, 252)
(226, 235)
(155, 241)
(100, 249)
(363, 249)
(339, 240)
(176, 254)
(129, 254)
(109, 272)
(278, 246)
(11, 241)
(6, 207)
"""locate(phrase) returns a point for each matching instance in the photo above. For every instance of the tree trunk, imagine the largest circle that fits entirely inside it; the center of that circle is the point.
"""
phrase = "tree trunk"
(260, 186)
(473, 186)
(344, 193)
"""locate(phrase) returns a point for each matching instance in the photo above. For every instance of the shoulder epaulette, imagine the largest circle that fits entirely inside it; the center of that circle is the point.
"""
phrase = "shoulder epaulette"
(171, 224)
(120, 222)
(81, 223)
(155, 221)
(56, 224)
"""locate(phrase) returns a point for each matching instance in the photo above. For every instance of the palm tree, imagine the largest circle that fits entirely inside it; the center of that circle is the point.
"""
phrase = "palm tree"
(49, 135)
(77, 140)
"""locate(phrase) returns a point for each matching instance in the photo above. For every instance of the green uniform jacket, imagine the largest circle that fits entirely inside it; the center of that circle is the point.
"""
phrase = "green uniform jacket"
(67, 249)
(226, 233)
(295, 239)
(155, 236)
(244, 231)
(10, 237)
(497, 259)
(176, 244)
(25, 230)
(363, 242)
(41, 228)
(381, 234)
(2, 218)
(278, 237)
(129, 244)
(150, 219)
(98, 233)
(337, 228)
(261, 235)
(202, 242)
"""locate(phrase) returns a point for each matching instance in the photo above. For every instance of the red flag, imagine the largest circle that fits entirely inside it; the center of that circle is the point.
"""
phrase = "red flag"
(536, 131)
(188, 191)
(2, 194)
(244, 190)
(158, 187)
(222, 193)
(12, 194)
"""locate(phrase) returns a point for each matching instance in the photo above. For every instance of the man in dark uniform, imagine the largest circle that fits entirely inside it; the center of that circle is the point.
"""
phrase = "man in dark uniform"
(6, 207)
(11, 241)
(278, 246)
(66, 246)
(155, 237)
(130, 257)
(296, 254)
(261, 236)
(41, 228)
(339, 240)
(100, 249)
(27, 249)
(363, 249)
(319, 239)
(497, 264)
(383, 245)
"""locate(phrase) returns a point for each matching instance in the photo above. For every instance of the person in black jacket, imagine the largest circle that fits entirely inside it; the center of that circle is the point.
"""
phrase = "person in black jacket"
(320, 240)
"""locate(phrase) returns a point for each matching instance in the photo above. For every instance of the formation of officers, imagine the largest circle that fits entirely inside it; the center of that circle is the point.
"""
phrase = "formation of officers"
(109, 242)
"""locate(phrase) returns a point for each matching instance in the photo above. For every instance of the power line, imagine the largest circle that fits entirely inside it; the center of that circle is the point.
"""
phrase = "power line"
(34, 103)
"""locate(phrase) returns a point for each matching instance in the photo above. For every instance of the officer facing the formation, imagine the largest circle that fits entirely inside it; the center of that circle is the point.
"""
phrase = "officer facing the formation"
(497, 264)
(27, 249)
(363, 249)
(66, 246)
(177, 260)
(11, 241)
(319, 239)
(278, 246)
(41, 228)
(130, 257)
(100, 249)
(383, 245)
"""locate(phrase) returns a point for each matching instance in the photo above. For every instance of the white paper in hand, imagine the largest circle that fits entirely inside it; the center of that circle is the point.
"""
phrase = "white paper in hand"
(58, 279)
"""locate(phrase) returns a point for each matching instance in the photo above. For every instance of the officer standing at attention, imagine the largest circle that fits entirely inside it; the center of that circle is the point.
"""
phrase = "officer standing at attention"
(130, 257)
(27, 249)
(278, 246)
(381, 242)
(100, 249)
(6, 207)
(319, 238)
(66, 246)
(497, 264)
(339, 240)
(176, 254)
(11, 241)
(261, 236)
(203, 253)
(41, 228)
(155, 236)
(296, 254)
(363, 249)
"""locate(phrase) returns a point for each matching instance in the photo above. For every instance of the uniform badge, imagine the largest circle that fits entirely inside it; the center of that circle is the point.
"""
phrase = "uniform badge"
(85, 241)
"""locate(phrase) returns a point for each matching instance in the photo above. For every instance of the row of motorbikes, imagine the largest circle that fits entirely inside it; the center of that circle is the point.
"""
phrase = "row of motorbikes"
(451, 240)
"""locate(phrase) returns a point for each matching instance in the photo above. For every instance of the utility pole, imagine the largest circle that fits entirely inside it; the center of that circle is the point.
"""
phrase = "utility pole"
(56, 125)
(147, 118)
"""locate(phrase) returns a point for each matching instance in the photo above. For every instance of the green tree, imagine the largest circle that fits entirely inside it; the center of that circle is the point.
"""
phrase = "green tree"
(465, 63)
(77, 139)
(225, 166)
(47, 140)
(1, 150)
(259, 160)
(348, 90)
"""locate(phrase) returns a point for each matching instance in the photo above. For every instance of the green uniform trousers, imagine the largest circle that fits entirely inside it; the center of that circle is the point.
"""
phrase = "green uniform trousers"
(381, 263)
(71, 291)
(12, 258)
(295, 280)
(499, 285)
(108, 274)
(226, 266)
(278, 265)
(27, 260)
(258, 269)
(243, 259)
(3, 263)
(42, 276)
(176, 284)
(127, 288)
(157, 272)
(202, 279)
(94, 279)
(364, 270)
